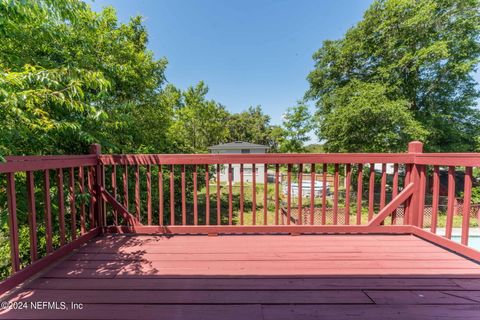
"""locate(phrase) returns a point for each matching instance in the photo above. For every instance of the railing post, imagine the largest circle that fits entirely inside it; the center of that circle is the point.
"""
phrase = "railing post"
(417, 177)
(98, 183)
(12, 222)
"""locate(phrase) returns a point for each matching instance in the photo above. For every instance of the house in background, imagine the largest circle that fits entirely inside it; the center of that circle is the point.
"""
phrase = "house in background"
(240, 147)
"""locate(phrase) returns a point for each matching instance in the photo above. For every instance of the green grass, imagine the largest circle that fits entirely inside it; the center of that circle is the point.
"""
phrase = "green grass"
(270, 214)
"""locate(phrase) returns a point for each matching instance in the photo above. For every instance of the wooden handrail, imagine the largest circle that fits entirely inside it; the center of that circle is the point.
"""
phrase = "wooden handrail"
(270, 158)
(50, 162)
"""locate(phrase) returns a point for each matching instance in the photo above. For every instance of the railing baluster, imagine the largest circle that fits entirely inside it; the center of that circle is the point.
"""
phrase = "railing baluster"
(230, 204)
(103, 206)
(300, 195)
(137, 192)
(195, 196)
(12, 221)
(254, 194)
(113, 178)
(184, 202)
(289, 193)
(312, 193)
(348, 178)
(160, 195)
(92, 202)
(207, 196)
(125, 187)
(73, 208)
(406, 211)
(395, 191)
(467, 196)
(241, 195)
(324, 194)
(149, 195)
(450, 202)
(114, 191)
(81, 185)
(32, 215)
(219, 199)
(435, 199)
(172, 195)
(371, 191)
(61, 206)
(335, 194)
(48, 211)
(265, 194)
(277, 193)
(359, 193)
(421, 196)
(383, 185)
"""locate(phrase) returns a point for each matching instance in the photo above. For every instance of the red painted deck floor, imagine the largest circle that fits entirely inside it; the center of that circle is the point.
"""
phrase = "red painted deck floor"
(257, 277)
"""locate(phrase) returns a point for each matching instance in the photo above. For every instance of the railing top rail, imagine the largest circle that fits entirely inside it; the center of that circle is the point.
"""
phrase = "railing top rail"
(48, 157)
(270, 158)
(32, 163)
(448, 159)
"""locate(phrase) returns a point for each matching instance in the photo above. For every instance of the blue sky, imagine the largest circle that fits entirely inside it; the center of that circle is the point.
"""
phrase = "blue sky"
(248, 52)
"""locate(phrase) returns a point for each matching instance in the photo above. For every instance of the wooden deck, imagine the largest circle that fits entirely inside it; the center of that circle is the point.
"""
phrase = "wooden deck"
(257, 277)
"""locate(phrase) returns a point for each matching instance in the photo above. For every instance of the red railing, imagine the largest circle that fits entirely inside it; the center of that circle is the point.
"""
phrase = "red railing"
(225, 193)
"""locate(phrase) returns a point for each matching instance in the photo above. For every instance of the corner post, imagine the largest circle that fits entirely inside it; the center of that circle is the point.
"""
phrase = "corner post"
(96, 149)
(417, 177)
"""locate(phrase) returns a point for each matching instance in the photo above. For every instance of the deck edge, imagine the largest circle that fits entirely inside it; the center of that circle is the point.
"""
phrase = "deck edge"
(39, 265)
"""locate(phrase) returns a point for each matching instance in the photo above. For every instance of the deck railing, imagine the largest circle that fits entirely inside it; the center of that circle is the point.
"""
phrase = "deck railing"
(67, 200)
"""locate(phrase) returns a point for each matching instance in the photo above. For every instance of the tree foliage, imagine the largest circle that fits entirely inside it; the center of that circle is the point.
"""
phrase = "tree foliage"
(66, 74)
(422, 54)
(253, 126)
(366, 120)
(199, 123)
(297, 123)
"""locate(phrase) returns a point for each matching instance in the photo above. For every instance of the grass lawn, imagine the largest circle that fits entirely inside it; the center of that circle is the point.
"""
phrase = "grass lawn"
(270, 214)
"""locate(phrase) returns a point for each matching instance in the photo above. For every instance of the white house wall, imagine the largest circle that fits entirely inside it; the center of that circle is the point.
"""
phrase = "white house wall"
(247, 168)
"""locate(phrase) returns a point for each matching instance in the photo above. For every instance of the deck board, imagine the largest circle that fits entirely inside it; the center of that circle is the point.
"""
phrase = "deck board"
(258, 277)
(371, 312)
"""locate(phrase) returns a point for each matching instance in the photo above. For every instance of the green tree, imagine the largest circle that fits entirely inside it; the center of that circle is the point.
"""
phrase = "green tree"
(198, 122)
(152, 121)
(71, 76)
(366, 120)
(419, 54)
(253, 126)
(297, 124)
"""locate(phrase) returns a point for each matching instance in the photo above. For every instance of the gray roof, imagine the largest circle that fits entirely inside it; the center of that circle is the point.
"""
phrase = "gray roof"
(238, 145)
